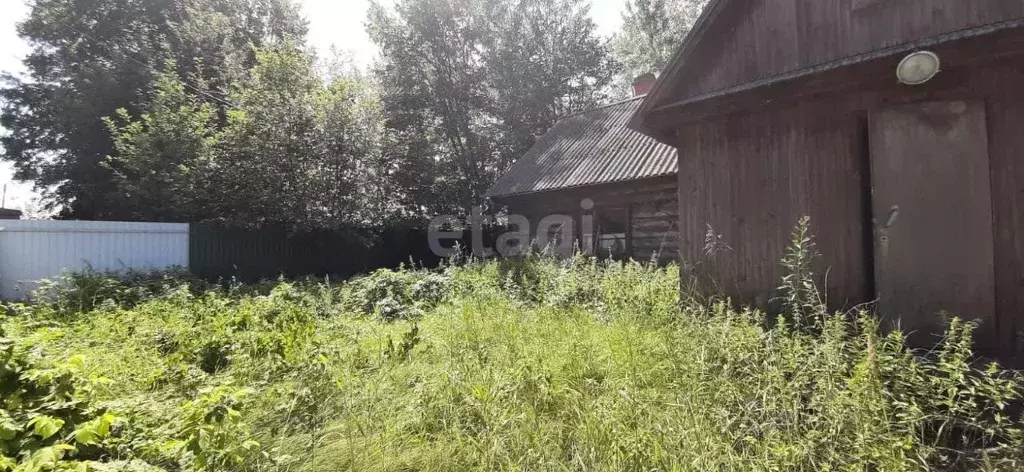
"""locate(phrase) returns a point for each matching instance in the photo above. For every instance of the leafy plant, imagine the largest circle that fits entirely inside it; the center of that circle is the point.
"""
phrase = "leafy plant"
(405, 347)
(213, 431)
(83, 291)
(798, 292)
(46, 421)
(392, 295)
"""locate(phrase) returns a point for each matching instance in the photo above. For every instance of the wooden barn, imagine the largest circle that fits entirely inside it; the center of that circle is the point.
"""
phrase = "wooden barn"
(591, 164)
(896, 125)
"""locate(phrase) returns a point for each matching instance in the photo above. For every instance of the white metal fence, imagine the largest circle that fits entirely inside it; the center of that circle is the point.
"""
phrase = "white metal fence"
(34, 250)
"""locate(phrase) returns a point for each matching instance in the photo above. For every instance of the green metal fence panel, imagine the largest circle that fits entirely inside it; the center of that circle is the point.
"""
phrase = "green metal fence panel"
(218, 252)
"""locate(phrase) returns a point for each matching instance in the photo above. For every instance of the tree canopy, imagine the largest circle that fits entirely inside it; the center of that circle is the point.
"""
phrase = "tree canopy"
(469, 85)
(197, 110)
(652, 30)
(92, 58)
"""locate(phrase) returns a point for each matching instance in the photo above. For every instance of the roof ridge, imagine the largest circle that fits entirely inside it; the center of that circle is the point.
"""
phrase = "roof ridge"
(602, 107)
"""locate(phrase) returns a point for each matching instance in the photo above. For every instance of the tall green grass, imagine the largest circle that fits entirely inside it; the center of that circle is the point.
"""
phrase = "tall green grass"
(520, 364)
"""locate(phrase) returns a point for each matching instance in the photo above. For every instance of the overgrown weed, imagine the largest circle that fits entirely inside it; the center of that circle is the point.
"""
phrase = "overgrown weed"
(529, 364)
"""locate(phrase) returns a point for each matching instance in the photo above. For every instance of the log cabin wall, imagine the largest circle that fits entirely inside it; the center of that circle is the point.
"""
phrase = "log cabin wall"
(654, 226)
(751, 174)
(650, 204)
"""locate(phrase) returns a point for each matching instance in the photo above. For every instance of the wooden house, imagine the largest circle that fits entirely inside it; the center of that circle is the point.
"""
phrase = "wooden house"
(592, 167)
(896, 125)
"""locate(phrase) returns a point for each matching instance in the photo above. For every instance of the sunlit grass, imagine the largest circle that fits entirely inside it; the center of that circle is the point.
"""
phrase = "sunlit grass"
(524, 365)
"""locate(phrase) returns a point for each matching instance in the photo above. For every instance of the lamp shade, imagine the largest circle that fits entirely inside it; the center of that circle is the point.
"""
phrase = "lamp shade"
(918, 68)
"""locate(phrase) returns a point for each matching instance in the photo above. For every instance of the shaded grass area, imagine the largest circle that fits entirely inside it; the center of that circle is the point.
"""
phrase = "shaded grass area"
(530, 364)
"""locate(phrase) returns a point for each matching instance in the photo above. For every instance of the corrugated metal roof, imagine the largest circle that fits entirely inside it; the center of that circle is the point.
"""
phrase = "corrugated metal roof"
(588, 148)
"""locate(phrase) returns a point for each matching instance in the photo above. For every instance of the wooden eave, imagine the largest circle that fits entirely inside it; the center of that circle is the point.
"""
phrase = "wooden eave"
(659, 120)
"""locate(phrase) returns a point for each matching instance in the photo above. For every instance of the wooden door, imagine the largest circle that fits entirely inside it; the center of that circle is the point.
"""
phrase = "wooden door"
(932, 206)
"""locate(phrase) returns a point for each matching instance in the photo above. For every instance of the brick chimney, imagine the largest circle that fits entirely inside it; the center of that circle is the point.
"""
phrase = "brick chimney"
(642, 85)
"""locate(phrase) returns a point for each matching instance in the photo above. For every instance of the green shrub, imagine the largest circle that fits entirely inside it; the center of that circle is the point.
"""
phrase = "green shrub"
(84, 291)
(631, 288)
(392, 295)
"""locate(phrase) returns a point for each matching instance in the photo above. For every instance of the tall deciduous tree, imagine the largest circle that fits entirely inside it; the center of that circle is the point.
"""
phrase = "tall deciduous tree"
(544, 60)
(93, 57)
(294, 150)
(652, 30)
(162, 159)
(468, 85)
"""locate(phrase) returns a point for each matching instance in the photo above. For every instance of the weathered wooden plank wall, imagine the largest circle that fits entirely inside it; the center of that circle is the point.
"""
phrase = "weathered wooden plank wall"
(757, 39)
(655, 226)
(1005, 106)
(930, 174)
(752, 174)
(750, 179)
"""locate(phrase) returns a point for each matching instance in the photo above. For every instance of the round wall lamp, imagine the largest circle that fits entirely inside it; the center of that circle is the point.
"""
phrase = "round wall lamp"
(918, 68)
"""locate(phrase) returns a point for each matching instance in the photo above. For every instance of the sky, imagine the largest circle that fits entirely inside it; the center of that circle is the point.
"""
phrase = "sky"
(12, 49)
(337, 23)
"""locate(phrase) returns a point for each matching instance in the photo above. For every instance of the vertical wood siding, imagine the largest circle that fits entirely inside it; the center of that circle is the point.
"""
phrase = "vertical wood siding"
(752, 174)
(1006, 150)
(759, 39)
(749, 180)
(34, 250)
